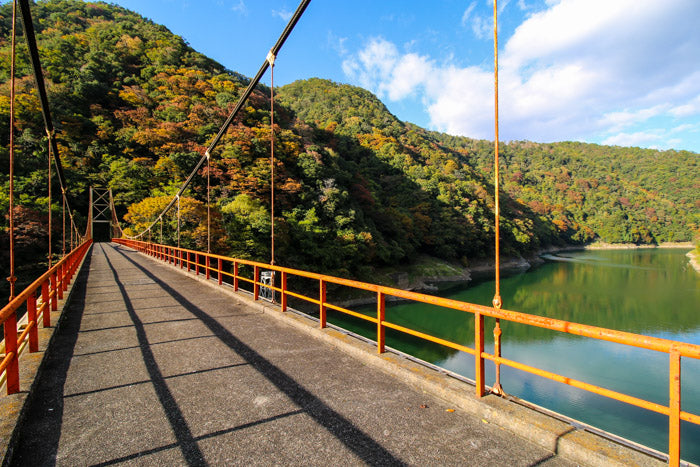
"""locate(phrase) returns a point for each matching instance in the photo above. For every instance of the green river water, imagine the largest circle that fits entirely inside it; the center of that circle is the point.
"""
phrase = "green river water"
(653, 292)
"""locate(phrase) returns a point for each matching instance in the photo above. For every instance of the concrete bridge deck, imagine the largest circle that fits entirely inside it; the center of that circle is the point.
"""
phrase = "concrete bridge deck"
(151, 367)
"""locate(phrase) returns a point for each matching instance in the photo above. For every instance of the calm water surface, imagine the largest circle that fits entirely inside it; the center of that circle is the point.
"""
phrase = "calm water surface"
(651, 292)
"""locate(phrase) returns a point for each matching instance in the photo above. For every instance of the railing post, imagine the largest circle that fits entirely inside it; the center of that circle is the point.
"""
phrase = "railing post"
(235, 276)
(283, 303)
(322, 303)
(52, 292)
(218, 270)
(66, 275)
(674, 416)
(256, 280)
(69, 273)
(59, 281)
(188, 261)
(32, 321)
(206, 264)
(12, 370)
(182, 265)
(381, 309)
(45, 298)
(478, 350)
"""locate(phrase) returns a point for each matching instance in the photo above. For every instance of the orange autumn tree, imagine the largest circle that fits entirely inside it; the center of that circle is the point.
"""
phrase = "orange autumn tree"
(193, 223)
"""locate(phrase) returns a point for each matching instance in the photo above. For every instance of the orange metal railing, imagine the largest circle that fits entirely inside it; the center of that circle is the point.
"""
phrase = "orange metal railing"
(52, 284)
(212, 263)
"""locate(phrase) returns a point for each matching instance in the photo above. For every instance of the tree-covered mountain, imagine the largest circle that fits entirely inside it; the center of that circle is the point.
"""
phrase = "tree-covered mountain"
(356, 189)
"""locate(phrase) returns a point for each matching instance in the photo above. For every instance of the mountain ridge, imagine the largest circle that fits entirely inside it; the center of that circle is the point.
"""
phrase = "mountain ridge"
(357, 189)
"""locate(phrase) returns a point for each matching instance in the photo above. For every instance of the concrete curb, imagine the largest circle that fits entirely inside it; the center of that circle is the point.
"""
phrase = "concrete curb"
(12, 408)
(564, 439)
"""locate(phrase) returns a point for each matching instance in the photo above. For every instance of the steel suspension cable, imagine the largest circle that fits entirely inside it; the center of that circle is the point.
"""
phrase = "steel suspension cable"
(497, 303)
(239, 105)
(12, 279)
(43, 98)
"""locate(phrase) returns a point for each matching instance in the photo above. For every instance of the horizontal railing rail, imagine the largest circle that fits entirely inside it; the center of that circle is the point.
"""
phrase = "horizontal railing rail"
(209, 264)
(50, 287)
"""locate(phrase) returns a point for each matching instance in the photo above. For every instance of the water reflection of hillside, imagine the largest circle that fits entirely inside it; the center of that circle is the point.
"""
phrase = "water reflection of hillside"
(653, 294)
(646, 292)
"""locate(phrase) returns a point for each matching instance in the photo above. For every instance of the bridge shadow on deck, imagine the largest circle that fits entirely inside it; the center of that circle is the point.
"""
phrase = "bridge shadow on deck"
(38, 441)
(357, 441)
(178, 382)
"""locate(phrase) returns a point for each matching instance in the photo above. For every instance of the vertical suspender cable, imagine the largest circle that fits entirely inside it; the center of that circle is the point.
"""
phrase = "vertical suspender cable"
(208, 204)
(64, 223)
(12, 277)
(271, 59)
(497, 296)
(49, 175)
(178, 221)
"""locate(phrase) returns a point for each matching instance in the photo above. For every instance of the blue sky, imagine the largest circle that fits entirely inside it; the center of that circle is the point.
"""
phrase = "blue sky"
(619, 72)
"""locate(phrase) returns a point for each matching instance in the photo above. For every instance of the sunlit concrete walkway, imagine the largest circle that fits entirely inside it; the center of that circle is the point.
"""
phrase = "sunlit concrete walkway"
(151, 367)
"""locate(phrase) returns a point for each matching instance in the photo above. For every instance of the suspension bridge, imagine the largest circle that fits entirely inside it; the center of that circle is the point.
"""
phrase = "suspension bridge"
(136, 351)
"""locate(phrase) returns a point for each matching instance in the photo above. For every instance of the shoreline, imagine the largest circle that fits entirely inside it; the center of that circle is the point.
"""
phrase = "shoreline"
(460, 275)
(694, 260)
(634, 246)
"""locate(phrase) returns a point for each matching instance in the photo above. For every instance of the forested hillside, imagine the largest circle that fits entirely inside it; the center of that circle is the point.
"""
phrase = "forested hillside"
(357, 189)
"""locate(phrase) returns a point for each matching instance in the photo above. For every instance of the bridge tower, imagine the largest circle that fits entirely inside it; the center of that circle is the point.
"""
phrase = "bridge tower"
(101, 214)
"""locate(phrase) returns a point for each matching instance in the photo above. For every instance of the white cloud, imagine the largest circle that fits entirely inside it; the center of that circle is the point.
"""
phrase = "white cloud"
(580, 69)
(482, 27)
(617, 120)
(686, 127)
(688, 108)
(286, 15)
(467, 13)
(639, 138)
(337, 43)
(240, 7)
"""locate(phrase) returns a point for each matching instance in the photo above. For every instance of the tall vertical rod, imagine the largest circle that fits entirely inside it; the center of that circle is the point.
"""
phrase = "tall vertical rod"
(50, 253)
(178, 221)
(64, 222)
(89, 232)
(272, 159)
(12, 277)
(497, 296)
(208, 206)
